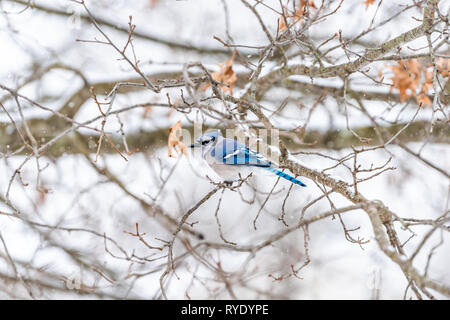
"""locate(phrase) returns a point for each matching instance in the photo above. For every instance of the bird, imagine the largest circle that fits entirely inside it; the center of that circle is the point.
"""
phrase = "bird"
(229, 158)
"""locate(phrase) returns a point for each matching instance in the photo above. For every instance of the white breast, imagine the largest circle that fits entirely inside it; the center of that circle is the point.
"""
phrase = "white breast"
(230, 172)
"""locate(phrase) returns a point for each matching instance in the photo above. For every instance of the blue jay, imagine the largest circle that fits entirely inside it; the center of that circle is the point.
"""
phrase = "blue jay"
(229, 158)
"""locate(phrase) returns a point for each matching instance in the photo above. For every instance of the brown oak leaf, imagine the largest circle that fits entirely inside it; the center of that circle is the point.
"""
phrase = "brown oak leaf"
(297, 15)
(368, 3)
(226, 76)
(412, 79)
(443, 67)
(174, 143)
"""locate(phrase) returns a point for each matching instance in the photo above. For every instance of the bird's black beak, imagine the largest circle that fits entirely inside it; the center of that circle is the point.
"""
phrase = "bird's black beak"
(194, 145)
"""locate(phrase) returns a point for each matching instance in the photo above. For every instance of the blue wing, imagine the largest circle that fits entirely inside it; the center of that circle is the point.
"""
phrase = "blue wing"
(233, 152)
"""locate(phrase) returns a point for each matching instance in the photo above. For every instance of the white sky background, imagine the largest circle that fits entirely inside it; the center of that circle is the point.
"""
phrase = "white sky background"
(338, 269)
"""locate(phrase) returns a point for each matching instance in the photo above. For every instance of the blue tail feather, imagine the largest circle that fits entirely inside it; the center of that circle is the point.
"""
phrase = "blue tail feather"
(285, 176)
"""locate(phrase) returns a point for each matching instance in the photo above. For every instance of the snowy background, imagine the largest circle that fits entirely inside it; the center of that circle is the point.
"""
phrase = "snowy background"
(79, 197)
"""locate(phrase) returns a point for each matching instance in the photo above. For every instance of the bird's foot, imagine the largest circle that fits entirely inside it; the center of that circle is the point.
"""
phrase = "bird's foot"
(228, 183)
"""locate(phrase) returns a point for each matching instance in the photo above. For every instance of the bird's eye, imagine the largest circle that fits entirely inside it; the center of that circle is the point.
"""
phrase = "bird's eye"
(205, 142)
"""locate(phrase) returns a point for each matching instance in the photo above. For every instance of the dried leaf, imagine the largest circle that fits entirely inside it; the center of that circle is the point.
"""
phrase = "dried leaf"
(443, 67)
(42, 194)
(153, 3)
(407, 76)
(422, 97)
(147, 111)
(226, 76)
(310, 3)
(174, 142)
(298, 14)
(380, 75)
(368, 3)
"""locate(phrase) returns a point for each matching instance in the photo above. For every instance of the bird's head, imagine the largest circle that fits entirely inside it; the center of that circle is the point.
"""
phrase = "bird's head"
(207, 139)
